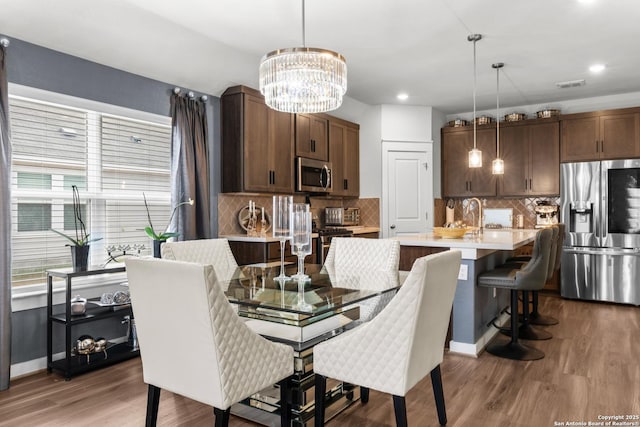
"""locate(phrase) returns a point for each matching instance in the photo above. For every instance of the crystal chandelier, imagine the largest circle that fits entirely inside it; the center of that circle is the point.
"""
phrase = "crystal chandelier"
(497, 166)
(303, 79)
(475, 155)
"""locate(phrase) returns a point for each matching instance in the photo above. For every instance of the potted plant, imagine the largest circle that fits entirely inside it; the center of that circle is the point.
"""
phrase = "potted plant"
(80, 244)
(160, 238)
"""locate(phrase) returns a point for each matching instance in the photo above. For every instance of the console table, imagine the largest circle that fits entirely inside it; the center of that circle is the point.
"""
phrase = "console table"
(73, 363)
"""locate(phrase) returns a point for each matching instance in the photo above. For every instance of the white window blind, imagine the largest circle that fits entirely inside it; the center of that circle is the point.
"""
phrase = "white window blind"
(111, 159)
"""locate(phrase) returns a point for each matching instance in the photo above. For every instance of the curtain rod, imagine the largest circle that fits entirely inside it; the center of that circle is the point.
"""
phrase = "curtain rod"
(190, 94)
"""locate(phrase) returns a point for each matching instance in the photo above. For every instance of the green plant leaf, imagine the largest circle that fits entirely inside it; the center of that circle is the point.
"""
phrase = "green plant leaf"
(71, 239)
(151, 233)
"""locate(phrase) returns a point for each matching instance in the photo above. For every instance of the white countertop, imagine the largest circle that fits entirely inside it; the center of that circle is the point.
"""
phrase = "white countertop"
(473, 247)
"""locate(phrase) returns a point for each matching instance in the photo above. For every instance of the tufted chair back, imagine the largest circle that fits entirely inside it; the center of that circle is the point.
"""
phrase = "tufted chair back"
(216, 252)
(192, 342)
(350, 254)
(396, 349)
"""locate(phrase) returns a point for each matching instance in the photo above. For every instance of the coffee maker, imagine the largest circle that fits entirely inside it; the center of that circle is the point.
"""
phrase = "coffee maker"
(546, 214)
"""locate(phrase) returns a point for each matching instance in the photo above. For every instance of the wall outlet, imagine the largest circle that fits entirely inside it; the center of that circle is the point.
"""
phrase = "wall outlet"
(463, 274)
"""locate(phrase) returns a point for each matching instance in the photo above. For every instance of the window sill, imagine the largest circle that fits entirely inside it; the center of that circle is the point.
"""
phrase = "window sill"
(35, 296)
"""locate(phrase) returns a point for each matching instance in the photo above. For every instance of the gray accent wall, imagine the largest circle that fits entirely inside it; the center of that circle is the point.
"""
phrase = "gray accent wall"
(46, 69)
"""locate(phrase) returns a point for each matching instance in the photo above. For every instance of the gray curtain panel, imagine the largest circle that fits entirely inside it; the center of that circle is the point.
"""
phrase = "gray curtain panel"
(5, 226)
(190, 167)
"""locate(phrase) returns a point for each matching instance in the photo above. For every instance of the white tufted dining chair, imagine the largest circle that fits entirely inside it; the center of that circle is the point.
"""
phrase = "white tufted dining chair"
(216, 252)
(193, 344)
(401, 345)
(378, 259)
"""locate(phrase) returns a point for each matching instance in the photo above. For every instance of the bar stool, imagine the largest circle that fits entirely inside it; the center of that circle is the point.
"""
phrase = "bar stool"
(531, 277)
(535, 318)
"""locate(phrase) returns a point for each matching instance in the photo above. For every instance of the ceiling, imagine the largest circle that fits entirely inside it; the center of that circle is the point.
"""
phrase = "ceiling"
(415, 46)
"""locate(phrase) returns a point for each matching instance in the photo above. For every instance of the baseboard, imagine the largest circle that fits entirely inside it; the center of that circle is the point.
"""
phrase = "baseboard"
(29, 367)
(474, 350)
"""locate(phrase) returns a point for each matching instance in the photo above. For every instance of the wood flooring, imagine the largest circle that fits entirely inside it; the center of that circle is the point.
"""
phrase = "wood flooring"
(591, 369)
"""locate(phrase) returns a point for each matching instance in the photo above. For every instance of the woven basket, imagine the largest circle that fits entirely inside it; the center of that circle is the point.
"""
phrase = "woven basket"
(450, 233)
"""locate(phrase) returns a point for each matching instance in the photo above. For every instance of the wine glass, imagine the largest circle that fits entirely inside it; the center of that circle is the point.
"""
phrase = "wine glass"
(301, 235)
(281, 227)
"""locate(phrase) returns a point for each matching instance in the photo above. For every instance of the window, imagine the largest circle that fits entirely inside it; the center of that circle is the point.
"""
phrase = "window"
(112, 159)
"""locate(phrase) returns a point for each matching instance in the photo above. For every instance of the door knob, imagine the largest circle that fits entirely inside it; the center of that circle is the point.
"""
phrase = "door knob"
(393, 227)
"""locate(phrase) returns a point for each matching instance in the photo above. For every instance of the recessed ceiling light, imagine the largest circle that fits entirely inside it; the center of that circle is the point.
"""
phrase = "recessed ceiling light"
(403, 96)
(597, 68)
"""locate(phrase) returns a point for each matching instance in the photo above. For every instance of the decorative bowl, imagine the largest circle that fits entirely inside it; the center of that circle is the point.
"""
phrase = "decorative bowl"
(514, 117)
(457, 123)
(450, 232)
(484, 120)
(547, 113)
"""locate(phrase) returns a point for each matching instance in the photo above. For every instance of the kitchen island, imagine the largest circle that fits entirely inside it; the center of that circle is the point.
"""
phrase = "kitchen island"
(473, 307)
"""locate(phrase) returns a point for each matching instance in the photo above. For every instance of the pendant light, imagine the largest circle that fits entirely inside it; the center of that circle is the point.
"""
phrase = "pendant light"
(303, 79)
(497, 166)
(475, 155)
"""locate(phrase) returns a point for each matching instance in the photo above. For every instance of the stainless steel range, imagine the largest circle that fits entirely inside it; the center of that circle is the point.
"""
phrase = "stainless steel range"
(324, 240)
(600, 206)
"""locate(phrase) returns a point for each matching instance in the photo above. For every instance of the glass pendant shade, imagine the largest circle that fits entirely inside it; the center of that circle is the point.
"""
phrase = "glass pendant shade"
(475, 158)
(303, 80)
(497, 166)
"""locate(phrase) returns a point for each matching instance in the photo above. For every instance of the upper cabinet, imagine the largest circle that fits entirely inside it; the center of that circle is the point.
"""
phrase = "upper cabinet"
(257, 144)
(612, 134)
(458, 179)
(312, 136)
(531, 154)
(344, 155)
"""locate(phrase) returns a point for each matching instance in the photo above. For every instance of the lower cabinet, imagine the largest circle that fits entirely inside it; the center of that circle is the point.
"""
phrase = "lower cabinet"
(259, 252)
(368, 235)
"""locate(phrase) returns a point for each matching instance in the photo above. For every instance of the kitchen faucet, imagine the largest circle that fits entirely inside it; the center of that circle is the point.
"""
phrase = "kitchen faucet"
(468, 209)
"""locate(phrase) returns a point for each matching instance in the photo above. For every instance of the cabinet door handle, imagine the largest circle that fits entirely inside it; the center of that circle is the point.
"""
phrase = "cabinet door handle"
(530, 185)
(345, 184)
(273, 181)
(602, 146)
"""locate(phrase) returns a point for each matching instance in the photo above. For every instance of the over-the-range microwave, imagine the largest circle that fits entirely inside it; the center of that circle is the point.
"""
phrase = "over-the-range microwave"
(313, 176)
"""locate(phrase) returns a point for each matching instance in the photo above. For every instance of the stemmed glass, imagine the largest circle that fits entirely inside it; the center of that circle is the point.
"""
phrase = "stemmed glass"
(301, 236)
(282, 227)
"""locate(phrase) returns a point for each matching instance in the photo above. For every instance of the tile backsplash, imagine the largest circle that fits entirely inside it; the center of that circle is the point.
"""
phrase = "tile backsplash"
(229, 206)
(524, 207)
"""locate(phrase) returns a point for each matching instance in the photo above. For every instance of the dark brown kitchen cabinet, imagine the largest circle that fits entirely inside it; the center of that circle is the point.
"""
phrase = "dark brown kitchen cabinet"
(600, 135)
(258, 252)
(531, 154)
(257, 144)
(344, 155)
(312, 137)
(458, 179)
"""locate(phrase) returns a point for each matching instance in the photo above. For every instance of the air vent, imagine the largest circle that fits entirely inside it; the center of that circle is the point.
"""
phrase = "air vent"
(571, 83)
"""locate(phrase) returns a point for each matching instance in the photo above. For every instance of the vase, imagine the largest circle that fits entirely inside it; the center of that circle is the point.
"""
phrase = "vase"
(157, 246)
(80, 257)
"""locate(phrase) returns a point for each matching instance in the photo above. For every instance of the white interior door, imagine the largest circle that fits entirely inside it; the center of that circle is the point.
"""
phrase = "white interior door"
(407, 196)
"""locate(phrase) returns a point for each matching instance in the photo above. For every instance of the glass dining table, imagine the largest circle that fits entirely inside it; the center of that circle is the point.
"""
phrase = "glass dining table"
(301, 313)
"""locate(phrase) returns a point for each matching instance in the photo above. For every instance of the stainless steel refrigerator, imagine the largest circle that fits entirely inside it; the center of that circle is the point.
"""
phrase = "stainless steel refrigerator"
(600, 207)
